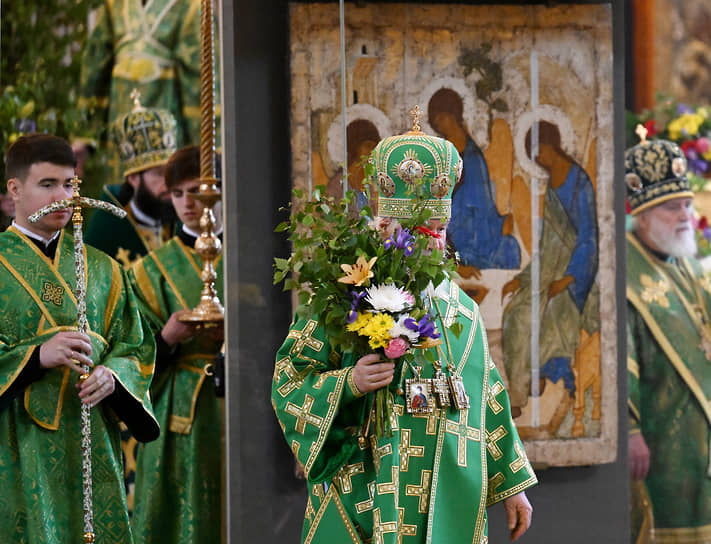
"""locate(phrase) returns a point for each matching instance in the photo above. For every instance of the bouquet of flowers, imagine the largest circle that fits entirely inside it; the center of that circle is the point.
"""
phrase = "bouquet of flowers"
(365, 288)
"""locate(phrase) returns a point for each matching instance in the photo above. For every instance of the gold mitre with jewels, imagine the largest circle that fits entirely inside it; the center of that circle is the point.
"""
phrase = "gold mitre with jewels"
(655, 171)
(415, 163)
(145, 137)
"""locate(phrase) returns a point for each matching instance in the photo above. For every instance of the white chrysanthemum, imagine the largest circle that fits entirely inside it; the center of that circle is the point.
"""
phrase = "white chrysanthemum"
(387, 298)
(401, 330)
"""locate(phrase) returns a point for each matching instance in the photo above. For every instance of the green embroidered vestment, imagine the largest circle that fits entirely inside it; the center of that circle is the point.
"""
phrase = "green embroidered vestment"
(40, 458)
(179, 476)
(669, 373)
(124, 239)
(433, 479)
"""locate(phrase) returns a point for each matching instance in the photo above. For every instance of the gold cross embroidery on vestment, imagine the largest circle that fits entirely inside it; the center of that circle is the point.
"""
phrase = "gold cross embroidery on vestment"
(304, 339)
(492, 442)
(463, 432)
(422, 491)
(406, 450)
(303, 414)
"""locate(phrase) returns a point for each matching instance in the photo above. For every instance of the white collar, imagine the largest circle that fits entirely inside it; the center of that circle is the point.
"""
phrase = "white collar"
(194, 234)
(34, 236)
(142, 217)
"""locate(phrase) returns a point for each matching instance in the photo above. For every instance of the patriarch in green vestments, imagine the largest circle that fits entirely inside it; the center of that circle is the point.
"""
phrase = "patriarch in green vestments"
(178, 494)
(432, 480)
(668, 352)
(40, 353)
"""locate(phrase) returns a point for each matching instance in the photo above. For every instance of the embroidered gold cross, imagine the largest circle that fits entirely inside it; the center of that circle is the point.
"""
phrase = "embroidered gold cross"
(406, 450)
(402, 528)
(390, 487)
(344, 476)
(304, 338)
(521, 460)
(495, 481)
(494, 390)
(492, 439)
(52, 293)
(380, 528)
(310, 512)
(296, 379)
(395, 415)
(431, 427)
(367, 504)
(379, 452)
(303, 414)
(464, 432)
(654, 291)
(317, 490)
(422, 491)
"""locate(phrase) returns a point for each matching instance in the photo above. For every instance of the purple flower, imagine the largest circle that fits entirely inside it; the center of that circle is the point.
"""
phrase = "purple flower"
(683, 108)
(707, 233)
(425, 327)
(26, 126)
(401, 239)
(353, 314)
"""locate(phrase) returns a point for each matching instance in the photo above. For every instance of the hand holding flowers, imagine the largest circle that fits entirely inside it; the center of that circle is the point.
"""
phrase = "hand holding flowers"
(364, 288)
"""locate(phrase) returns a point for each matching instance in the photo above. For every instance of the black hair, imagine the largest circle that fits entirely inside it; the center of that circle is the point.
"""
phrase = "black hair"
(184, 165)
(30, 149)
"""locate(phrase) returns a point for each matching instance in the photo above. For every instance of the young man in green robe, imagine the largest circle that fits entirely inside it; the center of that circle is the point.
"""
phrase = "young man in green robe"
(40, 354)
(668, 351)
(145, 138)
(178, 495)
(433, 479)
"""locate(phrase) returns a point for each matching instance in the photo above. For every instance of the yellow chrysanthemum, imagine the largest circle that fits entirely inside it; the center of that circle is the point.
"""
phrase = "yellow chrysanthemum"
(378, 342)
(359, 272)
(687, 124)
(379, 325)
(360, 322)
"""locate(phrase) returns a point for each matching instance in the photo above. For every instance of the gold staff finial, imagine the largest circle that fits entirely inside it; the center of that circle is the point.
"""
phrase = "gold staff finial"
(415, 112)
(76, 183)
(642, 133)
(136, 97)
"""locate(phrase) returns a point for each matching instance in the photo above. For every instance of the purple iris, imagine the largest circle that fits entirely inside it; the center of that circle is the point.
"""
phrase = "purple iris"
(353, 314)
(402, 239)
(425, 327)
(696, 165)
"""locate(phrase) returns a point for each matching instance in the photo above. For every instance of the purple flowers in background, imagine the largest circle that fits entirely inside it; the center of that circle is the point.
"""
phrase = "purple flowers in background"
(26, 126)
(425, 326)
(402, 239)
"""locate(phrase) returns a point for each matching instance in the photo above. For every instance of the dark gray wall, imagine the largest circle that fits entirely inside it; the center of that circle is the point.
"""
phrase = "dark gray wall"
(585, 505)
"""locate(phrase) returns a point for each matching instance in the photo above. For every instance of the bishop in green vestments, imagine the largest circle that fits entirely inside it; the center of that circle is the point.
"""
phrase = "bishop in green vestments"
(40, 348)
(178, 494)
(145, 138)
(669, 352)
(432, 480)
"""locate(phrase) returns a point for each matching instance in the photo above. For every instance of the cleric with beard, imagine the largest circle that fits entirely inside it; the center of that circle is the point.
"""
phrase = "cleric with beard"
(668, 352)
(145, 139)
